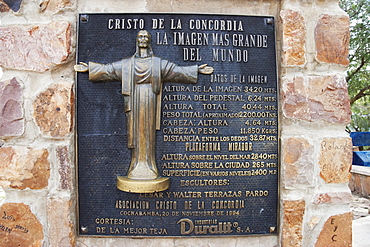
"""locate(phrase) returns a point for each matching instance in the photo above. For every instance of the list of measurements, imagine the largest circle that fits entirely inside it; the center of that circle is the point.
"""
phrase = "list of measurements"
(225, 129)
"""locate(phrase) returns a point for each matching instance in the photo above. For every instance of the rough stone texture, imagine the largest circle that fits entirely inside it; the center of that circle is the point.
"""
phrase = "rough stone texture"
(298, 165)
(3, 7)
(332, 39)
(53, 110)
(360, 180)
(19, 226)
(54, 5)
(351, 183)
(316, 98)
(64, 168)
(358, 184)
(333, 198)
(292, 222)
(366, 186)
(337, 231)
(11, 110)
(61, 231)
(22, 167)
(36, 48)
(265, 241)
(294, 36)
(234, 7)
(336, 160)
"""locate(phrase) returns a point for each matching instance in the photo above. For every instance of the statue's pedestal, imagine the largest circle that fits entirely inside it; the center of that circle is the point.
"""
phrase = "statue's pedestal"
(142, 186)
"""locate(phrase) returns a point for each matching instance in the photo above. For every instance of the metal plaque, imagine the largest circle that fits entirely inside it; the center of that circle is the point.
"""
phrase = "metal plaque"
(177, 125)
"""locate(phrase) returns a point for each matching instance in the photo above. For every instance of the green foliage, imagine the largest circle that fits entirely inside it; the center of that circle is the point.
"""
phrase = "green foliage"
(358, 75)
(360, 116)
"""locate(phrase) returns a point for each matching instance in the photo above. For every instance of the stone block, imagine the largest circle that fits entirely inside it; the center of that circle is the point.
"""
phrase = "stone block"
(61, 232)
(3, 7)
(268, 7)
(11, 108)
(53, 110)
(54, 5)
(205, 242)
(35, 48)
(332, 39)
(294, 37)
(351, 183)
(358, 183)
(360, 180)
(293, 222)
(337, 231)
(333, 198)
(22, 167)
(336, 160)
(19, 226)
(65, 171)
(297, 162)
(316, 98)
(366, 186)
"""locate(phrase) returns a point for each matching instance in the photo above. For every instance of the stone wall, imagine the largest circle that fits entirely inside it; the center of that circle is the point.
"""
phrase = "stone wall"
(37, 164)
(360, 181)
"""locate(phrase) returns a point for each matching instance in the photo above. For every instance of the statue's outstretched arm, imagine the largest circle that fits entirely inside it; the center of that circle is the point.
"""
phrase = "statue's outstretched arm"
(101, 72)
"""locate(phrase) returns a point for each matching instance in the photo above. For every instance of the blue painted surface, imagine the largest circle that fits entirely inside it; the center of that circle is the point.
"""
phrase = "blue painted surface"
(361, 158)
(360, 138)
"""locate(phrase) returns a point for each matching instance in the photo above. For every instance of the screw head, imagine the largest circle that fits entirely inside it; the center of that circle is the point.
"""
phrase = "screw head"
(84, 229)
(84, 18)
(269, 21)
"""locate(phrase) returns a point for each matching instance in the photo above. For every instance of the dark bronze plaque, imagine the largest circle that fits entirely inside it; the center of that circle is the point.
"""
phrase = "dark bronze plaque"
(212, 138)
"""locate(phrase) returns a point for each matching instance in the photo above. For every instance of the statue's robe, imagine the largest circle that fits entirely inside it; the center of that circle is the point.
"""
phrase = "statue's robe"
(142, 80)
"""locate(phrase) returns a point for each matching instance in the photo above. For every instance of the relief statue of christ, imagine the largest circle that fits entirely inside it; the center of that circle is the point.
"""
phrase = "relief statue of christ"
(142, 76)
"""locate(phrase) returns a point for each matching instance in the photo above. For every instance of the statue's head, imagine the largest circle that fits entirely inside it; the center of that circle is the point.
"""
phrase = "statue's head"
(143, 40)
